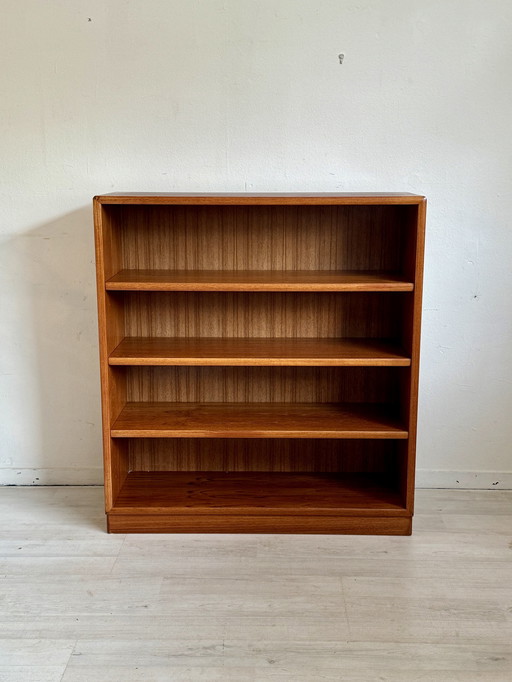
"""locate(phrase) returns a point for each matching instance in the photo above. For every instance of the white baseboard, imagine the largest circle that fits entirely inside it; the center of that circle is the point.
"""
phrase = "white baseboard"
(468, 480)
(54, 476)
(425, 478)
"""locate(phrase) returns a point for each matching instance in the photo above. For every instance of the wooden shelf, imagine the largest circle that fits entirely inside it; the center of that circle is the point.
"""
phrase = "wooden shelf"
(196, 492)
(256, 420)
(258, 351)
(260, 335)
(257, 280)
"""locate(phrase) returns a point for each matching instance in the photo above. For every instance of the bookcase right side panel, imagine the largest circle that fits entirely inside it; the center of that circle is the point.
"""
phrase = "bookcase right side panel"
(413, 256)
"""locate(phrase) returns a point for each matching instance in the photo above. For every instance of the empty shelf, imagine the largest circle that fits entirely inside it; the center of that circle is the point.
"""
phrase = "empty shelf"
(257, 280)
(256, 420)
(258, 351)
(196, 492)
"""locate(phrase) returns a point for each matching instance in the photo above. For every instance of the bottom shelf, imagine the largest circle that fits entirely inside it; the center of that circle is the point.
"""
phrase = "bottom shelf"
(255, 502)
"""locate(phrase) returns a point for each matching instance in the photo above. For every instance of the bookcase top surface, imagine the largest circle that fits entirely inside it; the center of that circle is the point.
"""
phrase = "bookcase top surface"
(268, 198)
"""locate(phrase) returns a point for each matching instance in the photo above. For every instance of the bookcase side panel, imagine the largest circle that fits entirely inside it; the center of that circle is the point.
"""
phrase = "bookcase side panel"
(413, 266)
(111, 331)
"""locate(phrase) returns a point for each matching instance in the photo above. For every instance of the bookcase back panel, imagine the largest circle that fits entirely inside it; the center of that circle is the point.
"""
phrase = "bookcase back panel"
(238, 454)
(261, 237)
(264, 384)
(264, 315)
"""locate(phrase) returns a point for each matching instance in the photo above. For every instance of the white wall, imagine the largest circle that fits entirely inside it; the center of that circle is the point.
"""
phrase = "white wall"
(248, 95)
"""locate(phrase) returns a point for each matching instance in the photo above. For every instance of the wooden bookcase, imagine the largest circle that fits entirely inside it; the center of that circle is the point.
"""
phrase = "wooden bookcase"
(259, 361)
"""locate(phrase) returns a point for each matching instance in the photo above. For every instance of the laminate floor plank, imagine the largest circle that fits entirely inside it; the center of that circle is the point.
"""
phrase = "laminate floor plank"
(29, 567)
(31, 673)
(246, 674)
(172, 627)
(380, 566)
(78, 605)
(475, 523)
(35, 652)
(155, 673)
(290, 655)
(46, 547)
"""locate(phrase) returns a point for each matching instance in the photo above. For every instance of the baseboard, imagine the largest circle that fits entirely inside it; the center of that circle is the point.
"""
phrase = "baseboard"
(425, 478)
(468, 480)
(53, 476)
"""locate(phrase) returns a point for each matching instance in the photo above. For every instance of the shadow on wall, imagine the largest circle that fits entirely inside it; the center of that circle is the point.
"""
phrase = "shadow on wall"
(56, 264)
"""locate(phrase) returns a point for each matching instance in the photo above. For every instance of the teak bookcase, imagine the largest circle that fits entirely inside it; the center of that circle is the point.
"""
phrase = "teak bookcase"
(259, 361)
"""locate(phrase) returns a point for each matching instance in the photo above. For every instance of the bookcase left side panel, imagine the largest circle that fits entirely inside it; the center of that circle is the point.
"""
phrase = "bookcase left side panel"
(111, 333)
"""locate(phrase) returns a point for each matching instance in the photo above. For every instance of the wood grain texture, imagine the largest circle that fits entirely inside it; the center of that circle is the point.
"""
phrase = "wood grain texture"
(119, 466)
(111, 331)
(256, 238)
(250, 351)
(265, 384)
(256, 493)
(265, 454)
(257, 280)
(229, 320)
(413, 264)
(304, 525)
(263, 198)
(251, 420)
(265, 315)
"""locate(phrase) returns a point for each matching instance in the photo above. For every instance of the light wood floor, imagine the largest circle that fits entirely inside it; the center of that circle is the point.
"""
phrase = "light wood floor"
(78, 605)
